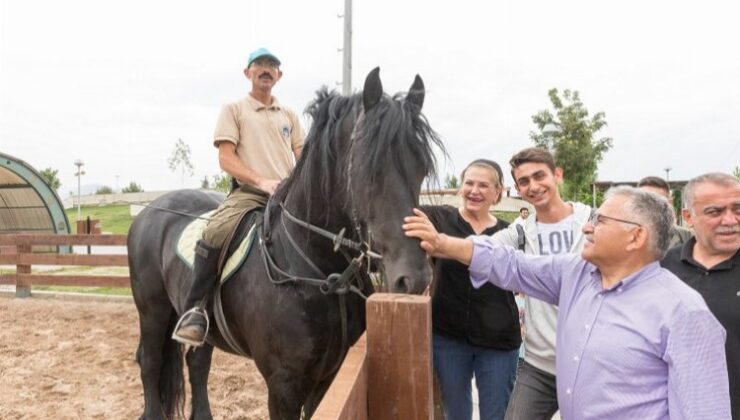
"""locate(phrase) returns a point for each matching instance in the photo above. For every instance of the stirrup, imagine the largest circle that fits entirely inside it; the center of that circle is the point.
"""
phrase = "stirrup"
(196, 310)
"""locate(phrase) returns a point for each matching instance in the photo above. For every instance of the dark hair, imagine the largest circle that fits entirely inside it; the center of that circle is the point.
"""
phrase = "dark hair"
(529, 155)
(654, 181)
(523, 208)
(391, 125)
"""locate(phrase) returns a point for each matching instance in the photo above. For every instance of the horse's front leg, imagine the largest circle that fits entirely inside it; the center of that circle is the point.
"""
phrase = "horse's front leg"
(314, 398)
(199, 366)
(286, 395)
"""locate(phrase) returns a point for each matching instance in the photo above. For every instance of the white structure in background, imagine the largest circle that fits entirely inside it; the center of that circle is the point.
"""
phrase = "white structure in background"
(451, 198)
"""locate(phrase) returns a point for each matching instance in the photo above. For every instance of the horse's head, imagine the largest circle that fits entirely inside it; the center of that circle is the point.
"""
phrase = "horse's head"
(389, 157)
(362, 168)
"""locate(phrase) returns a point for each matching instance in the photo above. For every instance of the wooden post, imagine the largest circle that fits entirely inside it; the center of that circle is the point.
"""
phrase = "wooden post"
(399, 348)
(22, 290)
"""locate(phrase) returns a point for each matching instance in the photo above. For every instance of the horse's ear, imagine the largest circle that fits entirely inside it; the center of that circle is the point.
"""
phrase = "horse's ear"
(373, 89)
(416, 93)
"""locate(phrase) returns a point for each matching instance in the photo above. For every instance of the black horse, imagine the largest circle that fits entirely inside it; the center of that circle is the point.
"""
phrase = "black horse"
(361, 171)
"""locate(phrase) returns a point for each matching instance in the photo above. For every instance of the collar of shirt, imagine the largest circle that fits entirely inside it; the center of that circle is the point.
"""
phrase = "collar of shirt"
(630, 281)
(687, 256)
(258, 106)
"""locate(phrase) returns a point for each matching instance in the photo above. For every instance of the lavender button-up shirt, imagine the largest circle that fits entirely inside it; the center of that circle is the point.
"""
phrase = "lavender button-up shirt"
(646, 348)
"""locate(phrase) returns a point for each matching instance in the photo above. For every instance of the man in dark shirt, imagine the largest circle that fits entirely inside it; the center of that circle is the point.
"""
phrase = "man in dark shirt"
(710, 262)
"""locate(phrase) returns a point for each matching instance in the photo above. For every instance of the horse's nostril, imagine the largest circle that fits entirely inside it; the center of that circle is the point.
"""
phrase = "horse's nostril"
(402, 285)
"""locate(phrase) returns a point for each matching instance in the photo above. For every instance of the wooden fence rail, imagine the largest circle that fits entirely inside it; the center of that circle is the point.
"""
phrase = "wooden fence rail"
(24, 259)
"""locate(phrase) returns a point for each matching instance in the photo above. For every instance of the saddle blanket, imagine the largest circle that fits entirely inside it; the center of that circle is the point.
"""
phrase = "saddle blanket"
(185, 246)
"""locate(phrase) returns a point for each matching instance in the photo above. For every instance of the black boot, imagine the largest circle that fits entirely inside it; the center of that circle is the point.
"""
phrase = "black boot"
(193, 325)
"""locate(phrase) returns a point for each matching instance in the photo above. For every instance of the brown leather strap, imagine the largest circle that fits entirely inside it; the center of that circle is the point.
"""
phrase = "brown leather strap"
(225, 249)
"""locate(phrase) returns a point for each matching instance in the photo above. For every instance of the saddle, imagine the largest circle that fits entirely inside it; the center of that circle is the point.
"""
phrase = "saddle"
(234, 252)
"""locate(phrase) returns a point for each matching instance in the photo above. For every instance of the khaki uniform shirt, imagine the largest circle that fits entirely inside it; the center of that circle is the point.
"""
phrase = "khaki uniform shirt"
(265, 137)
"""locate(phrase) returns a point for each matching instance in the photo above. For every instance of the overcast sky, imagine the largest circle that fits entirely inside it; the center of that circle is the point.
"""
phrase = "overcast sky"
(117, 83)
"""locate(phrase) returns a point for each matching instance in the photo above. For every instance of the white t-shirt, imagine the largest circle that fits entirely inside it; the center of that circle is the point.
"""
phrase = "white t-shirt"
(556, 238)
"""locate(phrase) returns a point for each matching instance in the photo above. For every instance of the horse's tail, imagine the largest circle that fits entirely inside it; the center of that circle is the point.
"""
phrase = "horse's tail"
(171, 381)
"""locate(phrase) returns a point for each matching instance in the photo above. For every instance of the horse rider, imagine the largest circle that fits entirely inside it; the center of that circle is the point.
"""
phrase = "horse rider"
(259, 142)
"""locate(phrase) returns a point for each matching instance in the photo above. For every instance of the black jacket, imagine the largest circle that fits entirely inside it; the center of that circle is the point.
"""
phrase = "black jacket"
(486, 317)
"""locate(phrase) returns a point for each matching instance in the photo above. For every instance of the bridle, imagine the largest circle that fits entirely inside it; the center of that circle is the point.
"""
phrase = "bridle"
(334, 283)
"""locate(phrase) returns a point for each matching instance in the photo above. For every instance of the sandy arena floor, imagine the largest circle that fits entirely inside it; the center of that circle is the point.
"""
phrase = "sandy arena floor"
(75, 360)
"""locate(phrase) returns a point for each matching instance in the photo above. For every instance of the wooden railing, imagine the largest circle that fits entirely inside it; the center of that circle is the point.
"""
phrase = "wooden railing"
(387, 374)
(24, 258)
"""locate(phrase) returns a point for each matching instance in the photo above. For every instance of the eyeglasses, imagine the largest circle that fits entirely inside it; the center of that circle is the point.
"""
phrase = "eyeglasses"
(597, 218)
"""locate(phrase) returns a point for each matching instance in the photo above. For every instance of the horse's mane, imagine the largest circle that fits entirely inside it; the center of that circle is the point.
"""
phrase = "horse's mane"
(392, 132)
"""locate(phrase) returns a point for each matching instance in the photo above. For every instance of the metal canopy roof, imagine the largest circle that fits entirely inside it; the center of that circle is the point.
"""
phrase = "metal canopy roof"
(27, 203)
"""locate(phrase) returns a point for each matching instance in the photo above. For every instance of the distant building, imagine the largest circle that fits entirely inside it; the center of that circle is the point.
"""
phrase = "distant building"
(451, 197)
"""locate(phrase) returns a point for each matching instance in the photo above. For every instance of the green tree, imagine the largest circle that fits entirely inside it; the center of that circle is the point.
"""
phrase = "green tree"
(451, 182)
(568, 132)
(132, 187)
(222, 182)
(677, 196)
(736, 172)
(50, 176)
(104, 190)
(180, 159)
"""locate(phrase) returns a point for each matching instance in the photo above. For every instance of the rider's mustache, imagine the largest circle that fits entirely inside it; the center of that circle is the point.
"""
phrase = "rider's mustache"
(266, 74)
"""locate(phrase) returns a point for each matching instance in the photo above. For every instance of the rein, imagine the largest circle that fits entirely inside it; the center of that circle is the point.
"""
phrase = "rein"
(338, 239)
(337, 283)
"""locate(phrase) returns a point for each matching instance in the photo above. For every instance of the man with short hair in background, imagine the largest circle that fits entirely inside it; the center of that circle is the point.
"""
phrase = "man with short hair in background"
(657, 185)
(522, 218)
(710, 261)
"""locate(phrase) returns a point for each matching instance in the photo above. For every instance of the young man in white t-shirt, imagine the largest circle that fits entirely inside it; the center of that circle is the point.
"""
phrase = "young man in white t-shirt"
(554, 228)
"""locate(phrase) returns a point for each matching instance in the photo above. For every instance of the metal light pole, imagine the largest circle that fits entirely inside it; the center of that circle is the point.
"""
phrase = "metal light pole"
(347, 49)
(80, 172)
(667, 170)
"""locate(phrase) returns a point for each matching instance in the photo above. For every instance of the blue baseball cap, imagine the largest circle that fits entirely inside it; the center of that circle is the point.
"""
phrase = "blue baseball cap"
(259, 53)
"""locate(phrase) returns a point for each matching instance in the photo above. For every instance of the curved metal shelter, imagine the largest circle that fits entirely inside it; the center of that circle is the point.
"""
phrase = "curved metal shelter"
(27, 203)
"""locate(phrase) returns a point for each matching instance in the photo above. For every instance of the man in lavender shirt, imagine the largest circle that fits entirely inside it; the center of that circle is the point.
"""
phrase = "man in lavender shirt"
(634, 342)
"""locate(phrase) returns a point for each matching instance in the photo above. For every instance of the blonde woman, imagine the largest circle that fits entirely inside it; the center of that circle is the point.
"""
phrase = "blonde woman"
(476, 332)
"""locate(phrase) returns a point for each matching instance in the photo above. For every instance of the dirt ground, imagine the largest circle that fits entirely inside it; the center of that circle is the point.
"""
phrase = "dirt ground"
(66, 359)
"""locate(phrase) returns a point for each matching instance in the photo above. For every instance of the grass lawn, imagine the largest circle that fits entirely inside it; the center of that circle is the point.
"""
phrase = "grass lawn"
(113, 218)
(506, 215)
